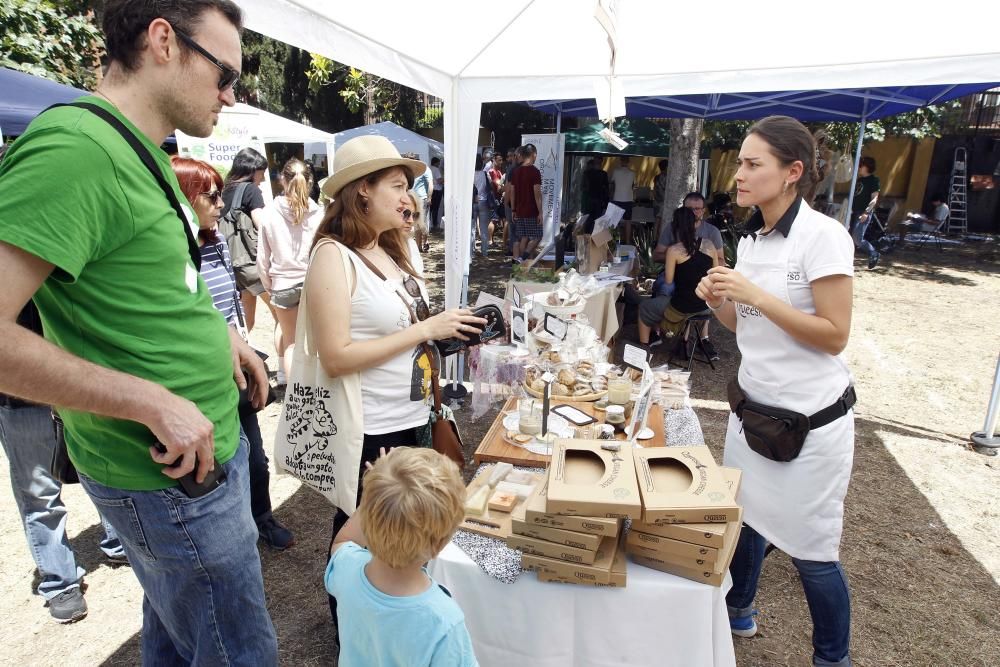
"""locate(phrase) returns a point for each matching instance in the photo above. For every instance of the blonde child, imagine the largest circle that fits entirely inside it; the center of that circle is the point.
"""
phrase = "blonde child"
(390, 611)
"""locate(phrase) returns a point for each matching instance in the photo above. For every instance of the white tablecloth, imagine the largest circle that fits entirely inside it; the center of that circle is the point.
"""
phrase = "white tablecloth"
(657, 619)
(600, 309)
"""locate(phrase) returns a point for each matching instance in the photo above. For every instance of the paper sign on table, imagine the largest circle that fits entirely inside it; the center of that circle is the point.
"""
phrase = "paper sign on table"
(515, 295)
(556, 327)
(636, 357)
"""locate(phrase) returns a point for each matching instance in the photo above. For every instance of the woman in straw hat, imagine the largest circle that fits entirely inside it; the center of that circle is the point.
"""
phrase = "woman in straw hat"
(362, 321)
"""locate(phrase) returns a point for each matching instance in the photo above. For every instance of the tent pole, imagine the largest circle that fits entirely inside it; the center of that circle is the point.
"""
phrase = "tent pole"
(987, 441)
(857, 162)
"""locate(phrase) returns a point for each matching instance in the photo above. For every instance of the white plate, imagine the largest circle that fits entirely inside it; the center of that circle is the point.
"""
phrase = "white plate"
(644, 434)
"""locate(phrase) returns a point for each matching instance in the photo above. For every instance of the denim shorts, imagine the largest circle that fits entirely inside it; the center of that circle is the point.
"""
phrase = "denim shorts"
(286, 298)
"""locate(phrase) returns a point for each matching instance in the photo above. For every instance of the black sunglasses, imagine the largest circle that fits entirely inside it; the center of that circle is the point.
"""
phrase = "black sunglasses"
(413, 289)
(229, 76)
(215, 196)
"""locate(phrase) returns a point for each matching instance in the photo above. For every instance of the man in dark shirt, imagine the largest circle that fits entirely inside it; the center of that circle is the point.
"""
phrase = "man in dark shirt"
(525, 190)
(596, 191)
(865, 193)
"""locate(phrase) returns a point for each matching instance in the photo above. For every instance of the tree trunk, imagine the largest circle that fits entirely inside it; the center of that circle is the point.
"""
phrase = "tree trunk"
(682, 168)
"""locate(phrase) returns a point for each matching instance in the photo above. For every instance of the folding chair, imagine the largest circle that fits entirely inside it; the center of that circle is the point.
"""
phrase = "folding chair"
(935, 233)
(692, 327)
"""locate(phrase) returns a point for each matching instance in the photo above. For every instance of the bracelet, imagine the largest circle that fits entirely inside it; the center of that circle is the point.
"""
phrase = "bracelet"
(715, 310)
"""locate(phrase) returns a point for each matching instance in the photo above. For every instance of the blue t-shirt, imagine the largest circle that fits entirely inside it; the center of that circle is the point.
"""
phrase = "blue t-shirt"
(379, 630)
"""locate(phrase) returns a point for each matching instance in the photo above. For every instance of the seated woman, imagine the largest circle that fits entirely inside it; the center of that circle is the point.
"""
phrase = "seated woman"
(685, 265)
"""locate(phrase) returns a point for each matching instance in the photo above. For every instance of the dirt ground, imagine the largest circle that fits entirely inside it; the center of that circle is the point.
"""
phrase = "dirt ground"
(921, 542)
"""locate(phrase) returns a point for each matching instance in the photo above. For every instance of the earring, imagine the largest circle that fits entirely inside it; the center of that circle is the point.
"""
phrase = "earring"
(784, 187)
(364, 205)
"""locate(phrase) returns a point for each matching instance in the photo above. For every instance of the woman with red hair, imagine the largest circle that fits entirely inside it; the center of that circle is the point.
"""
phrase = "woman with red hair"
(202, 186)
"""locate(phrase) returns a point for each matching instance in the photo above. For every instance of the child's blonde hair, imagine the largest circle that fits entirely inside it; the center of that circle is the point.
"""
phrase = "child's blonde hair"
(414, 500)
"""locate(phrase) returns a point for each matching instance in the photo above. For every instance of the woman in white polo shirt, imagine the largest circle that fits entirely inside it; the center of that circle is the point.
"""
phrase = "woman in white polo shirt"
(789, 301)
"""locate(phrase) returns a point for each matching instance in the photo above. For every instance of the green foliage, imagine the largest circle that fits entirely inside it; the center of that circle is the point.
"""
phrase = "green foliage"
(724, 134)
(45, 39)
(432, 117)
(643, 237)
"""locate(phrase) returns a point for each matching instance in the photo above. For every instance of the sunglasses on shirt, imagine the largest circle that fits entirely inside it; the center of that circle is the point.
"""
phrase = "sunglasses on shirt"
(228, 76)
(413, 289)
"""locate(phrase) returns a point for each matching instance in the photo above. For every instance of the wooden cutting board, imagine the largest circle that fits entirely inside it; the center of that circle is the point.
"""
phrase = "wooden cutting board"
(492, 523)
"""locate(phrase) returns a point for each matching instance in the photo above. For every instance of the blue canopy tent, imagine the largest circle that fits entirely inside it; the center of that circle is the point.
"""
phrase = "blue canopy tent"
(24, 96)
(857, 105)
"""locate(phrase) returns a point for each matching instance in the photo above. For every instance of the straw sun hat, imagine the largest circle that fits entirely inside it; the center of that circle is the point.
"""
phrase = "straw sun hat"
(365, 155)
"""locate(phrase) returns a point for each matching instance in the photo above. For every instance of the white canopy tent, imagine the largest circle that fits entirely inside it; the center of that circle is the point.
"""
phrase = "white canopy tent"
(277, 129)
(404, 140)
(556, 49)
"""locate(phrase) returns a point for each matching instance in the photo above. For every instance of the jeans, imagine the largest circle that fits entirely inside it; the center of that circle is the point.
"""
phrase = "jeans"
(28, 438)
(484, 212)
(858, 233)
(197, 562)
(825, 586)
(260, 476)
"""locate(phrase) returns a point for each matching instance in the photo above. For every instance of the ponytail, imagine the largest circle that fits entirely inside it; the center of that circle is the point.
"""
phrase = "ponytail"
(297, 177)
(683, 228)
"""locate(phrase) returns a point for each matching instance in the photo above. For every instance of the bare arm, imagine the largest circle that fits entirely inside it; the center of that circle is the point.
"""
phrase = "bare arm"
(538, 199)
(329, 301)
(350, 532)
(257, 215)
(263, 258)
(37, 370)
(828, 330)
(671, 266)
(511, 193)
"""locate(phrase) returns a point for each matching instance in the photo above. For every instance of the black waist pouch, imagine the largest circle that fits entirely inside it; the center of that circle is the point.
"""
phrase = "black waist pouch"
(778, 434)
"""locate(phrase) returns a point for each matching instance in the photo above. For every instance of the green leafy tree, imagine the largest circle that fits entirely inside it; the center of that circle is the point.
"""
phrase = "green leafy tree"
(50, 40)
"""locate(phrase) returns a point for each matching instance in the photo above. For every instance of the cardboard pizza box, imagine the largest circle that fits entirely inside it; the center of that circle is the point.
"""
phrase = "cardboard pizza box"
(605, 571)
(682, 485)
(587, 480)
(534, 512)
(556, 535)
(531, 545)
(706, 573)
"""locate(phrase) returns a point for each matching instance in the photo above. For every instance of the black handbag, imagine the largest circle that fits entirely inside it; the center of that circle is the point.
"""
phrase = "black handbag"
(779, 434)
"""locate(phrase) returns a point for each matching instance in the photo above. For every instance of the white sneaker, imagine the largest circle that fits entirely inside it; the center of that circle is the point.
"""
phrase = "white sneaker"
(281, 378)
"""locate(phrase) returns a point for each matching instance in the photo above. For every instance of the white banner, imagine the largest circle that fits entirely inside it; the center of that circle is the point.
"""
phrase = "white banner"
(551, 151)
(235, 131)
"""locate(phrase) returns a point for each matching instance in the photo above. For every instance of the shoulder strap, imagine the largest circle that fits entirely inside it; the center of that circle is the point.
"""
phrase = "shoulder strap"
(428, 349)
(237, 200)
(147, 160)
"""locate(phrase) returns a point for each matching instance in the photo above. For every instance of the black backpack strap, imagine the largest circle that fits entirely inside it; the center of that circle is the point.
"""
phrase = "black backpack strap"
(147, 159)
(238, 194)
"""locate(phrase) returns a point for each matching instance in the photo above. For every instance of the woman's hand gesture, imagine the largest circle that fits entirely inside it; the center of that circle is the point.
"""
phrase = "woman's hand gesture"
(454, 323)
(704, 292)
(732, 285)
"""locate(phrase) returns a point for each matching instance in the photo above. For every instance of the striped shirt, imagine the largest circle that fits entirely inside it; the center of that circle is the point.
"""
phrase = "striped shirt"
(216, 269)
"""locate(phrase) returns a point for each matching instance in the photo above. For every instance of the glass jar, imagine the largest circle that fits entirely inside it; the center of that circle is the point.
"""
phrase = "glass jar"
(615, 417)
(619, 391)
(532, 424)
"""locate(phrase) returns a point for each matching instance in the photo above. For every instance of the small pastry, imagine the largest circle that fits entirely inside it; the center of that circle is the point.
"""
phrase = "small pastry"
(567, 377)
(538, 385)
(581, 390)
(522, 439)
(559, 389)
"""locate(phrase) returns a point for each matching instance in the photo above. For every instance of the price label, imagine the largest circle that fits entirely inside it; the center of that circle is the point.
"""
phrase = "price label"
(515, 295)
(547, 378)
(636, 357)
(555, 326)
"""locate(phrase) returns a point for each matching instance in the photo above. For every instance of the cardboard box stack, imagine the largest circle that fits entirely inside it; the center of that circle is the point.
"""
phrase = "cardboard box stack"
(690, 520)
(569, 529)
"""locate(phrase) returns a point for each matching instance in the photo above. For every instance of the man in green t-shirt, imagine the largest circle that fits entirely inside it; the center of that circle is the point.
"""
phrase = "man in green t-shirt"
(134, 353)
